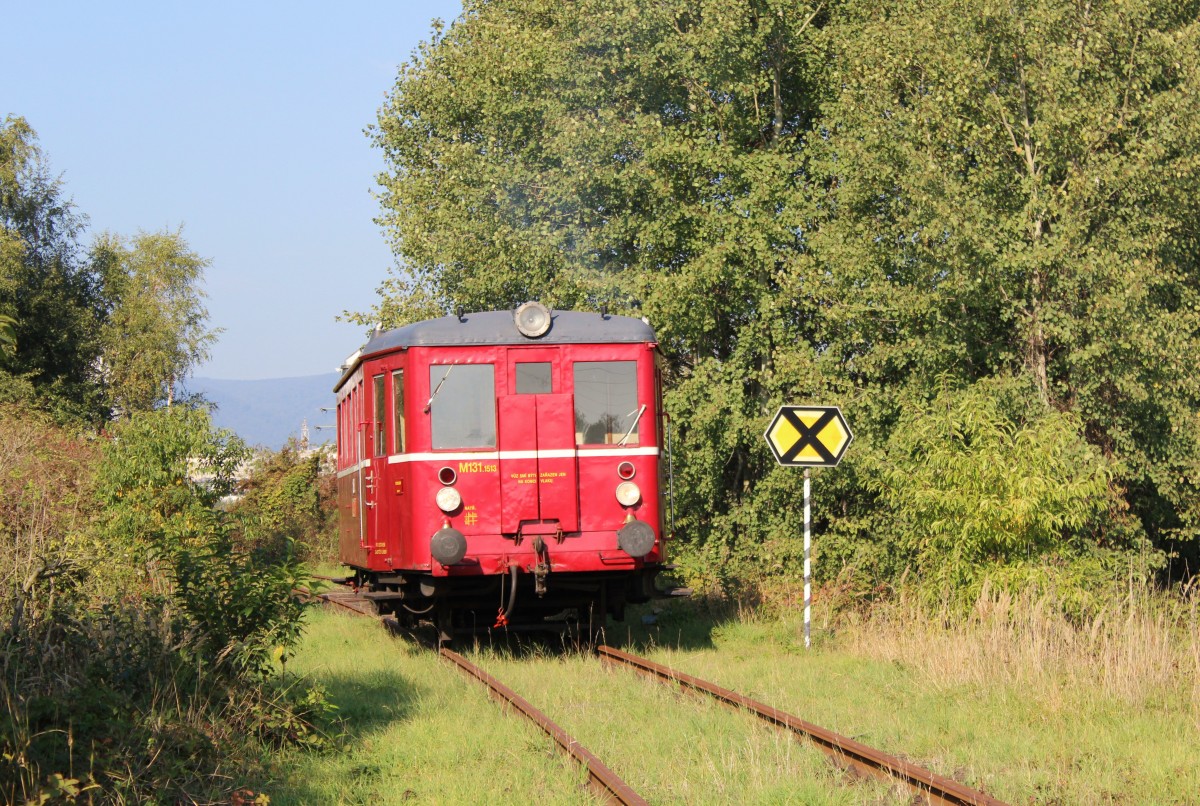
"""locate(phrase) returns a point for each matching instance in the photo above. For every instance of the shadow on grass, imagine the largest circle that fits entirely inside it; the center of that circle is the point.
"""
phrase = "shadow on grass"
(370, 703)
(687, 624)
(683, 624)
(370, 700)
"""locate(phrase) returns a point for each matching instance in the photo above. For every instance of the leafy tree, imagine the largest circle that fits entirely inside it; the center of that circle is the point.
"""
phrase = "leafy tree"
(852, 203)
(1013, 189)
(53, 297)
(156, 330)
(589, 146)
(8, 336)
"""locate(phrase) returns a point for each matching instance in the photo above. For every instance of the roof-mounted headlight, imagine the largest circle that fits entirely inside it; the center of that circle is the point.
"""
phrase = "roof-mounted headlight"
(532, 319)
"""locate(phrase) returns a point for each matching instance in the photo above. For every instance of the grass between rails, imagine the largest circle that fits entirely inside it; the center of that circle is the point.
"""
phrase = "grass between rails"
(1016, 701)
(670, 746)
(415, 731)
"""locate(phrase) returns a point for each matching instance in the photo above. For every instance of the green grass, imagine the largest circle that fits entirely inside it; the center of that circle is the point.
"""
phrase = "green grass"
(1060, 741)
(329, 569)
(670, 746)
(417, 731)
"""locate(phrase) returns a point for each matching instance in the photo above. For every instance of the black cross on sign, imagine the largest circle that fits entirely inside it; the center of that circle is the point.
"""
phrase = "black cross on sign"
(819, 442)
(808, 436)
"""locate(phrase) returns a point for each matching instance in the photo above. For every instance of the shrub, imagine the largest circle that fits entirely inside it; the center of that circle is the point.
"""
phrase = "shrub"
(161, 477)
(45, 502)
(985, 482)
(288, 496)
(136, 662)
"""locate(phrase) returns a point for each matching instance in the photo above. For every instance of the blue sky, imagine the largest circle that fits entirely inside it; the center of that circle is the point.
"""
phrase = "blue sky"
(242, 123)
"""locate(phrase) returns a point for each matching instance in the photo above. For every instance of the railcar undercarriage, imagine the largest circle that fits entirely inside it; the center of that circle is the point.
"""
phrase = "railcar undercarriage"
(517, 601)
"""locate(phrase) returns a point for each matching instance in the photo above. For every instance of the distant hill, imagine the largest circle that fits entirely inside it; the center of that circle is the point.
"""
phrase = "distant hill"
(265, 413)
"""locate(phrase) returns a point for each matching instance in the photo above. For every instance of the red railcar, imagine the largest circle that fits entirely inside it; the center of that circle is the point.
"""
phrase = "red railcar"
(503, 467)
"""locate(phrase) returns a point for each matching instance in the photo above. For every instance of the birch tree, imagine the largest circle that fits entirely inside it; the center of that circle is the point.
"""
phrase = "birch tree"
(157, 329)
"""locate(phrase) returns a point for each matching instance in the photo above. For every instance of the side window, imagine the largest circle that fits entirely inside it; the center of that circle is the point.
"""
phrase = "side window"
(398, 411)
(606, 407)
(462, 405)
(379, 435)
(533, 378)
(356, 418)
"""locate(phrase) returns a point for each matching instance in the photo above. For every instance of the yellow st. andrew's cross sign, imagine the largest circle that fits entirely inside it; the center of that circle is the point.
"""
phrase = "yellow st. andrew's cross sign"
(809, 436)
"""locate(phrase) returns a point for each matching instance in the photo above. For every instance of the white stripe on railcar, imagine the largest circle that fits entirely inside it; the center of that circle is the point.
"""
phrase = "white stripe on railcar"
(493, 456)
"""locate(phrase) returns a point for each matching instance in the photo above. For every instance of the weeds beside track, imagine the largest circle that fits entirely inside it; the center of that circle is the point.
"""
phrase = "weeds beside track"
(600, 778)
(845, 753)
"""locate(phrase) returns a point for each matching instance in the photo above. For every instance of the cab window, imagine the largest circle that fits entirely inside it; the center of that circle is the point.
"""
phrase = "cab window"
(606, 407)
(533, 378)
(462, 405)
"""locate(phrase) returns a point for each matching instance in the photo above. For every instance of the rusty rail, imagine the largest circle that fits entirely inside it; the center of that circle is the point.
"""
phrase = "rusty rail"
(346, 600)
(845, 752)
(600, 778)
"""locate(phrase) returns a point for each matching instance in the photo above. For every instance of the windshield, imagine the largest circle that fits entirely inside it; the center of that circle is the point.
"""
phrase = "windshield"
(464, 411)
(606, 407)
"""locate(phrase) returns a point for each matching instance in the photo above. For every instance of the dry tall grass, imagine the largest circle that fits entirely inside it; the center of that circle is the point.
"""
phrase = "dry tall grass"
(45, 473)
(1142, 648)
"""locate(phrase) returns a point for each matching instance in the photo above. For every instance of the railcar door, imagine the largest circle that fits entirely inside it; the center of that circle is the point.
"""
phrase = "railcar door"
(361, 427)
(373, 475)
(538, 478)
(363, 481)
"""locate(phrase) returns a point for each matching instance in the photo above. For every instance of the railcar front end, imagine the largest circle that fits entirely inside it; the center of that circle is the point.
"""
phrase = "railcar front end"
(497, 469)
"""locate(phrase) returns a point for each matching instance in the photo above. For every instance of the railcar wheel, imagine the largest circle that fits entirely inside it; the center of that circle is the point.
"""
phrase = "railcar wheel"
(444, 619)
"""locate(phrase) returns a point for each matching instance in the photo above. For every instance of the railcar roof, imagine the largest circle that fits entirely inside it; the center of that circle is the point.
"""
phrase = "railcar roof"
(498, 327)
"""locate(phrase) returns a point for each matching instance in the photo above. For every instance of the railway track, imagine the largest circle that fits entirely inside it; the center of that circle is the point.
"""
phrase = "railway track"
(853, 756)
(844, 752)
(601, 779)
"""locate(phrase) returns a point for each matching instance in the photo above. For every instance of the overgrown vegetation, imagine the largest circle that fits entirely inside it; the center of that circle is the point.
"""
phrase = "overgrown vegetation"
(143, 628)
(1142, 649)
(143, 643)
(971, 225)
(291, 496)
